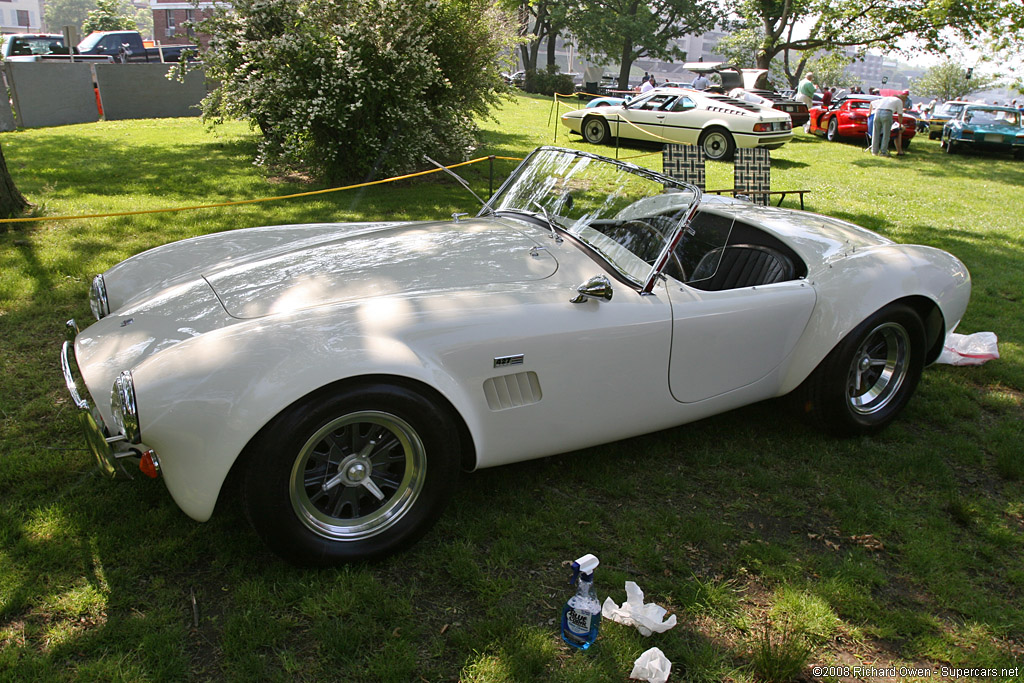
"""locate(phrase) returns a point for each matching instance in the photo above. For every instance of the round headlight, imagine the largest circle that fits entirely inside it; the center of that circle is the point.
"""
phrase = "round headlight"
(124, 409)
(98, 298)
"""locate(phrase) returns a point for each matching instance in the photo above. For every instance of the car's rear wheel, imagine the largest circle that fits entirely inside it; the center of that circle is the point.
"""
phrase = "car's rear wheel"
(833, 129)
(717, 143)
(350, 474)
(865, 381)
(595, 130)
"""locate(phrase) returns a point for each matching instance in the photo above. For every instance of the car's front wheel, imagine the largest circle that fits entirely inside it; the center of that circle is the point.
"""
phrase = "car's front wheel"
(865, 381)
(595, 130)
(350, 474)
(717, 143)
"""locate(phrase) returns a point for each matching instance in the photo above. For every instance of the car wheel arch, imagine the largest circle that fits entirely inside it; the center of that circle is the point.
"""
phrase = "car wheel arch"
(468, 454)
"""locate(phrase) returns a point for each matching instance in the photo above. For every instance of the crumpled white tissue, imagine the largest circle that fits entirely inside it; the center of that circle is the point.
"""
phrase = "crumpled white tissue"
(969, 349)
(652, 666)
(648, 619)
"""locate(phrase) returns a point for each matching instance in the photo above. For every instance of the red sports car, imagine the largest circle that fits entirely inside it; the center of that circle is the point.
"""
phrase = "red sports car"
(847, 117)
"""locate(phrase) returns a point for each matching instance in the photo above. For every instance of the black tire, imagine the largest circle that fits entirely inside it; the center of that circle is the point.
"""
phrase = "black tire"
(595, 130)
(355, 474)
(933, 135)
(717, 143)
(865, 381)
(833, 130)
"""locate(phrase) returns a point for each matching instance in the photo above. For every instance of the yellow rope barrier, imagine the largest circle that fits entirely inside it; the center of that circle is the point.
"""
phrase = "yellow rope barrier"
(249, 201)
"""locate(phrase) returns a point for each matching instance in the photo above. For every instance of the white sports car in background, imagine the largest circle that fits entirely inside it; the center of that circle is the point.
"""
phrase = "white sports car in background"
(348, 372)
(718, 123)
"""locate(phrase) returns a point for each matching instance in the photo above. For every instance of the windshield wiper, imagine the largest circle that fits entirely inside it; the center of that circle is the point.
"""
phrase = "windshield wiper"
(547, 216)
(461, 181)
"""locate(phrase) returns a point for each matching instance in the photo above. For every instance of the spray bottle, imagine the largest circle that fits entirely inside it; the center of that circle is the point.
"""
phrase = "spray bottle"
(582, 612)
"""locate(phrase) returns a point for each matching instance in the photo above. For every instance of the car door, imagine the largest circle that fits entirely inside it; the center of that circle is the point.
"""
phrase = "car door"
(682, 120)
(644, 118)
(727, 340)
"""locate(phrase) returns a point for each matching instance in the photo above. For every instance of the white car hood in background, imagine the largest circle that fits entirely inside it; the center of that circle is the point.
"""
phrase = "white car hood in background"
(407, 258)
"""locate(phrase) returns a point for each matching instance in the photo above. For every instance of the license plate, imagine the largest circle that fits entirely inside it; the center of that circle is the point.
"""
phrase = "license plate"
(993, 138)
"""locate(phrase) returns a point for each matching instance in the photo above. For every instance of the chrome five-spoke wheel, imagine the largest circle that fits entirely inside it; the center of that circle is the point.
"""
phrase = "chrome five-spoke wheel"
(358, 475)
(351, 472)
(879, 368)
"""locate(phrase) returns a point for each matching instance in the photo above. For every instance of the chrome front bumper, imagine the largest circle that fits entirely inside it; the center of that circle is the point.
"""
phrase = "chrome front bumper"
(108, 450)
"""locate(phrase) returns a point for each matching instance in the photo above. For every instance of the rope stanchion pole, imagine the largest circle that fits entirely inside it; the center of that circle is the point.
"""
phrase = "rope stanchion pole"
(490, 182)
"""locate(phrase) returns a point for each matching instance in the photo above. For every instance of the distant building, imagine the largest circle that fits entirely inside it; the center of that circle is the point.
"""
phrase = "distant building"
(174, 21)
(21, 16)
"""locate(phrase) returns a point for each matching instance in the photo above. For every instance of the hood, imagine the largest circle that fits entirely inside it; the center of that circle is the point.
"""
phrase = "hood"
(408, 258)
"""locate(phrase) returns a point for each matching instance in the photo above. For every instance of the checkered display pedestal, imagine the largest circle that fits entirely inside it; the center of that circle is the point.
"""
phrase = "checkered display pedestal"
(752, 173)
(752, 169)
(685, 162)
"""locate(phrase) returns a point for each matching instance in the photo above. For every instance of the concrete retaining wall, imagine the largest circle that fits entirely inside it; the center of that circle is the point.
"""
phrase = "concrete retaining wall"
(142, 91)
(48, 94)
(58, 94)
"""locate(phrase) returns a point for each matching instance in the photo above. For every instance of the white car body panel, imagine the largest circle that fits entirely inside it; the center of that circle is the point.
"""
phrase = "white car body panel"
(223, 332)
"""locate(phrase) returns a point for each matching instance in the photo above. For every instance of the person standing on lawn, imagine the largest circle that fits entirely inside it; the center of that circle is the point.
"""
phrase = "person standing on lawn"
(885, 109)
(805, 90)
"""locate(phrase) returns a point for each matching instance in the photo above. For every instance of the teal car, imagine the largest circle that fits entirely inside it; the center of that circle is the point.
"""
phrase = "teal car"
(985, 127)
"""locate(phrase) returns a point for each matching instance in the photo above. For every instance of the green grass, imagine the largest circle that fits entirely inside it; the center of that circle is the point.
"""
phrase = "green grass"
(903, 549)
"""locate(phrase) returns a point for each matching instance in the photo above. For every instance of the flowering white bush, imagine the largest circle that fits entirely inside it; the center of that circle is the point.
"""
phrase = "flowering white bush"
(354, 89)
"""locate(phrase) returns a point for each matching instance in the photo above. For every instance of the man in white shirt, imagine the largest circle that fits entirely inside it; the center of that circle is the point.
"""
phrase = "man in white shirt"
(885, 109)
(647, 85)
(701, 82)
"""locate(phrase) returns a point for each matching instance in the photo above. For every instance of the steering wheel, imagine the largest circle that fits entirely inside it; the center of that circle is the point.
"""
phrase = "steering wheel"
(636, 226)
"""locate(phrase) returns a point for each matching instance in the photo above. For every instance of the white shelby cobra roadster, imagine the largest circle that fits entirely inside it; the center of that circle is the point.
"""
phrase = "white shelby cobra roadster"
(348, 372)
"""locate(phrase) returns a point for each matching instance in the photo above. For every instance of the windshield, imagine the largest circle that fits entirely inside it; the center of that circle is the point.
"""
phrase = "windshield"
(632, 217)
(1008, 117)
(35, 45)
(90, 41)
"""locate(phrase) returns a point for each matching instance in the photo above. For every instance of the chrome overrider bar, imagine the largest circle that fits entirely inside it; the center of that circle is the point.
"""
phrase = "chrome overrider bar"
(108, 450)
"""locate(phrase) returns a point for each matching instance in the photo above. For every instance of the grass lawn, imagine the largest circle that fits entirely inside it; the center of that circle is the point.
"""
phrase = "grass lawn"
(780, 549)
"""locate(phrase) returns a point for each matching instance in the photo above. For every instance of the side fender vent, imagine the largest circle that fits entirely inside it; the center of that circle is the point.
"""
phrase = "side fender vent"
(512, 391)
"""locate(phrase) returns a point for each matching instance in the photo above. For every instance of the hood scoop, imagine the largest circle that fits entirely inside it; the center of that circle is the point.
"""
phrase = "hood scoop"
(418, 258)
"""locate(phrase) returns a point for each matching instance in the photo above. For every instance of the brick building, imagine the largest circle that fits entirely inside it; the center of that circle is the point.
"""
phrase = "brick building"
(173, 20)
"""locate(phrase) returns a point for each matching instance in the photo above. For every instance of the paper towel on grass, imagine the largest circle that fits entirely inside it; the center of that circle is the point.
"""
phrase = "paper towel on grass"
(652, 666)
(648, 619)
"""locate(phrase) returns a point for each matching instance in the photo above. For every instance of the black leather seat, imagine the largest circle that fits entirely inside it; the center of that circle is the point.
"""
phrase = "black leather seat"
(741, 265)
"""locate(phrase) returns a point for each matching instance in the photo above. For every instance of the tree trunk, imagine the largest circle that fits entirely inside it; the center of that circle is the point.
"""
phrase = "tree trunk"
(626, 63)
(12, 202)
(552, 36)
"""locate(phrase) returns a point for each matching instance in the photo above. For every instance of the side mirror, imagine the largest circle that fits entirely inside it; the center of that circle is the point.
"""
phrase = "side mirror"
(597, 287)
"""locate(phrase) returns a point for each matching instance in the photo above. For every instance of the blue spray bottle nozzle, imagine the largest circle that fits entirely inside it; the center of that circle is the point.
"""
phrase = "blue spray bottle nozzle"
(584, 565)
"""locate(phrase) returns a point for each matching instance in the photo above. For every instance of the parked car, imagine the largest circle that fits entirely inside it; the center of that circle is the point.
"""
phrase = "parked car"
(608, 101)
(985, 127)
(797, 111)
(346, 372)
(29, 47)
(942, 113)
(127, 46)
(847, 118)
(718, 123)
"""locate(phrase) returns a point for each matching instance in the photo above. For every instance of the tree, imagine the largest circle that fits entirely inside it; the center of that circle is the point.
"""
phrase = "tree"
(797, 29)
(110, 15)
(535, 26)
(627, 30)
(949, 81)
(60, 13)
(355, 89)
(12, 202)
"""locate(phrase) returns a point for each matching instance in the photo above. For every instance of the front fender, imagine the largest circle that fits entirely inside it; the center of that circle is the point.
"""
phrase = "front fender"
(201, 401)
